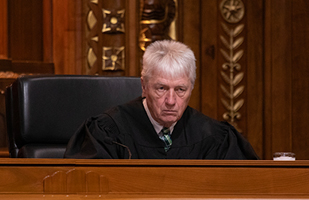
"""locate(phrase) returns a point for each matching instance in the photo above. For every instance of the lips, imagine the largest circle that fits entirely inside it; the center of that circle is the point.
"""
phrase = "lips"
(170, 112)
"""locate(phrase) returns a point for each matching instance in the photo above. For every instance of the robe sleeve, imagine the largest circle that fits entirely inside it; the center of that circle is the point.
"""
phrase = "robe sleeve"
(236, 147)
(89, 141)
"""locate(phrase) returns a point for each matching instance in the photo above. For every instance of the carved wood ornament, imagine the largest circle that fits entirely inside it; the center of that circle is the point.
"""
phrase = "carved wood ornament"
(74, 180)
(106, 30)
(157, 19)
(232, 12)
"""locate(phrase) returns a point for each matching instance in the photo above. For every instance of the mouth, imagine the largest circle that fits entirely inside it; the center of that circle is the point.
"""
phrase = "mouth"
(170, 112)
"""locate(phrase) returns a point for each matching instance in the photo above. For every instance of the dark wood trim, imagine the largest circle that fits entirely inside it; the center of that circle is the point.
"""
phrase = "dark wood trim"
(255, 76)
(209, 53)
(48, 30)
(32, 67)
(4, 29)
(192, 37)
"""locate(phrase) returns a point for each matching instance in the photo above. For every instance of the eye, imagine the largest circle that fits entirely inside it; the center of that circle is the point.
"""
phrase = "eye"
(161, 88)
(181, 91)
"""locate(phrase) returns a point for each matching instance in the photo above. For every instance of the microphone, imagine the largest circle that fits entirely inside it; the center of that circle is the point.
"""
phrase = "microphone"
(109, 140)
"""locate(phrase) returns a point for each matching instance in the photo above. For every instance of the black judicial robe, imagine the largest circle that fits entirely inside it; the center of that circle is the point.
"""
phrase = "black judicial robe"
(195, 136)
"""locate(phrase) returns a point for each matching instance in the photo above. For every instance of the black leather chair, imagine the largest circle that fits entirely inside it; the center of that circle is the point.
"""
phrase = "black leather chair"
(43, 112)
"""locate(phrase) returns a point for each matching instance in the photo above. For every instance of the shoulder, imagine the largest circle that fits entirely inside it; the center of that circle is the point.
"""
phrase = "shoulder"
(112, 119)
(120, 117)
(129, 107)
(199, 127)
(204, 122)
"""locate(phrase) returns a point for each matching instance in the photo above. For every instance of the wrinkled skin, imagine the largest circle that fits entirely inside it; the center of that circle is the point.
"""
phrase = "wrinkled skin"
(167, 98)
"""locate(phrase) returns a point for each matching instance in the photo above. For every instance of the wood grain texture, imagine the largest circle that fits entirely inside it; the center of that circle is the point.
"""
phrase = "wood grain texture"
(190, 35)
(300, 81)
(276, 45)
(67, 37)
(47, 8)
(209, 57)
(154, 178)
(25, 30)
(267, 103)
(3, 29)
(255, 78)
(281, 75)
(285, 78)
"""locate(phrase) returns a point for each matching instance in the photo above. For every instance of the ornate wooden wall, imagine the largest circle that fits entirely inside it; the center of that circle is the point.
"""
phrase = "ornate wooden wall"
(267, 91)
(286, 77)
(251, 55)
(111, 37)
(232, 65)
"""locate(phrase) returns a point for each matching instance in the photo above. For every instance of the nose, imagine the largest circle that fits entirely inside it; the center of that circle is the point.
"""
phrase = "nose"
(170, 97)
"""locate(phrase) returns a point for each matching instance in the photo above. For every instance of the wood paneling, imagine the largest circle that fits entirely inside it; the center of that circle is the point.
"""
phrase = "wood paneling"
(255, 76)
(25, 30)
(299, 77)
(132, 14)
(208, 57)
(274, 116)
(276, 48)
(281, 83)
(176, 179)
(250, 121)
(67, 19)
(3, 29)
(191, 35)
(286, 82)
(3, 137)
(47, 8)
(267, 84)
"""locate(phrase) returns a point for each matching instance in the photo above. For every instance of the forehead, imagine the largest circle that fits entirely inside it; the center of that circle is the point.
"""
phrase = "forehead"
(160, 78)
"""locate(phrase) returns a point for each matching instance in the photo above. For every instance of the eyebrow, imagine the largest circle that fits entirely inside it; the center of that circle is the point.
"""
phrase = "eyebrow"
(163, 84)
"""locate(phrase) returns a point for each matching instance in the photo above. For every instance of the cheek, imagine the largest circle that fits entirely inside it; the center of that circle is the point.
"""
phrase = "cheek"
(159, 102)
(155, 102)
(182, 103)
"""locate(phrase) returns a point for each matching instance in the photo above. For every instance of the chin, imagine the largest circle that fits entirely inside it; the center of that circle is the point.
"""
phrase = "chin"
(169, 120)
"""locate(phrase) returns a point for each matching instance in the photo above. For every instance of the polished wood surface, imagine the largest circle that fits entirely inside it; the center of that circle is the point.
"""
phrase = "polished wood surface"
(4, 152)
(172, 179)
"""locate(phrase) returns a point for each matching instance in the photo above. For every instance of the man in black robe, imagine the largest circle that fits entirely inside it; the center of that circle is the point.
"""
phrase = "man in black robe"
(160, 124)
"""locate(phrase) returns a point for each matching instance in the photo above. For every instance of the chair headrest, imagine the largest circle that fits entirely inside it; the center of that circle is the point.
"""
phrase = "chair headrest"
(51, 108)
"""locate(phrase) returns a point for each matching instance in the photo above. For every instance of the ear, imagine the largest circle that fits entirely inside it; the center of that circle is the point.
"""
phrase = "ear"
(143, 86)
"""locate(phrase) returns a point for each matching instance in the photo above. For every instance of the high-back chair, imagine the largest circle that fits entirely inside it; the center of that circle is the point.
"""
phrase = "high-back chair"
(43, 112)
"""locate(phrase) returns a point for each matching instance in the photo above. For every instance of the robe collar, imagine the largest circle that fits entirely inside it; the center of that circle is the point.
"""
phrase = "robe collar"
(155, 124)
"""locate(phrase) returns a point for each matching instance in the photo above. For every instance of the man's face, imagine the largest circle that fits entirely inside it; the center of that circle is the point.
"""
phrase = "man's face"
(167, 98)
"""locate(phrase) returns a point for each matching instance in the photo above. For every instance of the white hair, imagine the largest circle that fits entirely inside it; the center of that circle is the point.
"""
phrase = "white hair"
(169, 57)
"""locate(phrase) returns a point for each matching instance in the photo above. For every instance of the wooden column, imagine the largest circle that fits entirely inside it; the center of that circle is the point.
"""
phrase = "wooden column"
(67, 25)
(3, 30)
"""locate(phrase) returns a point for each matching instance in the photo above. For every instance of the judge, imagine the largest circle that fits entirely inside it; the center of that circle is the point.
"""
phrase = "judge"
(160, 124)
